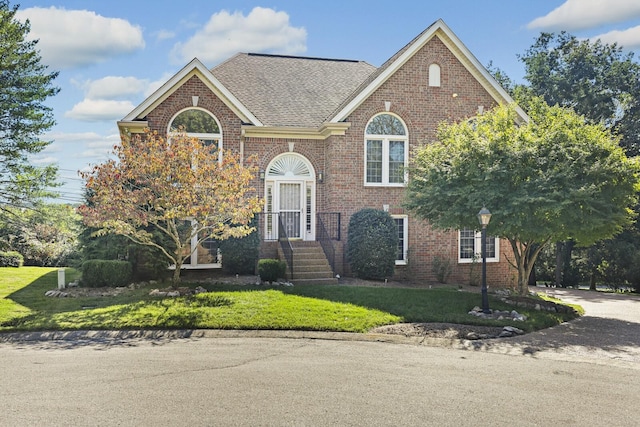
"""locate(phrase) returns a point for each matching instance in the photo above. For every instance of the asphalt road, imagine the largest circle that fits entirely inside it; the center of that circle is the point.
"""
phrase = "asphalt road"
(208, 380)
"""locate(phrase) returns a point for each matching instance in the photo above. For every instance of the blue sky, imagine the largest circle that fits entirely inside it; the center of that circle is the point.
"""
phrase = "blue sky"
(112, 54)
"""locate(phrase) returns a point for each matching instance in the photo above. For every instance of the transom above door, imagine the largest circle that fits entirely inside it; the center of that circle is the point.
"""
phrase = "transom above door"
(290, 198)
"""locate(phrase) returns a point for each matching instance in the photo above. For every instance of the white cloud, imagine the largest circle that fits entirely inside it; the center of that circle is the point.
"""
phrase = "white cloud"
(629, 38)
(76, 38)
(164, 35)
(155, 85)
(101, 147)
(114, 87)
(96, 110)
(91, 145)
(262, 30)
(43, 160)
(109, 98)
(584, 14)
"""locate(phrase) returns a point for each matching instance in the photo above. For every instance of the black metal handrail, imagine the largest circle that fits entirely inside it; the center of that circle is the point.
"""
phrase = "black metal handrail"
(285, 244)
(323, 237)
(331, 222)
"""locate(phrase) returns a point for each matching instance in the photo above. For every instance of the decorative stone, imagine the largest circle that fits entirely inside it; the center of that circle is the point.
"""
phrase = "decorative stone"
(513, 330)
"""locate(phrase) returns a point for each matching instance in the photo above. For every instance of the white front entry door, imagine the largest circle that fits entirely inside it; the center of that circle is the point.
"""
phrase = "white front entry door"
(290, 206)
(290, 197)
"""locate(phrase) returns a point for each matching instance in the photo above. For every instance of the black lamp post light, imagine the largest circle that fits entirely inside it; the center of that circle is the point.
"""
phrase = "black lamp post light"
(484, 216)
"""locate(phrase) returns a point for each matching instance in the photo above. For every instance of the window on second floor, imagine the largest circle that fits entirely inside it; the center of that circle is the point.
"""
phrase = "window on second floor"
(386, 151)
(198, 123)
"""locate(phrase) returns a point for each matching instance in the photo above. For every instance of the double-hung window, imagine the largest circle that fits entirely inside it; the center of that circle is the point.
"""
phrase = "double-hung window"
(385, 151)
(470, 246)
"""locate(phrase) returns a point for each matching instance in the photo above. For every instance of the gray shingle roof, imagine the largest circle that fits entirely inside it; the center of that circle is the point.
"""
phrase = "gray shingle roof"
(289, 90)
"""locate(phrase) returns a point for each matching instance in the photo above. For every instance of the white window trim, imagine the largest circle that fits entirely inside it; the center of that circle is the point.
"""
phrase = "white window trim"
(193, 264)
(201, 136)
(405, 239)
(478, 250)
(385, 155)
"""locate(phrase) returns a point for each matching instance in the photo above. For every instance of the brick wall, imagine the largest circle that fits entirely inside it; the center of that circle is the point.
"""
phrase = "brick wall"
(341, 158)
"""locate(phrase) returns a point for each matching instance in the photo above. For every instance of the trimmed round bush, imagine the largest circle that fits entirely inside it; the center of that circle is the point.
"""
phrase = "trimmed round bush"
(372, 244)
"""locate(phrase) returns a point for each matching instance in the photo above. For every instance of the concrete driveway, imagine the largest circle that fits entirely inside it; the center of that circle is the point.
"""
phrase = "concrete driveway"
(609, 332)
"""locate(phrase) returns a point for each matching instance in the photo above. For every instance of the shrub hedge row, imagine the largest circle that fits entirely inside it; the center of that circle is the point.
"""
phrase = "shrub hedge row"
(100, 272)
(11, 259)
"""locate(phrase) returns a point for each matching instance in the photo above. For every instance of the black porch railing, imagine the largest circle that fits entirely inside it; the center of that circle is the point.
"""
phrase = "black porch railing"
(285, 244)
(324, 237)
(272, 227)
(269, 224)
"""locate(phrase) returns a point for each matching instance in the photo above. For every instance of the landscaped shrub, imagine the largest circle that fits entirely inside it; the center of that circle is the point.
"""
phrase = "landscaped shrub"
(270, 270)
(372, 244)
(441, 267)
(11, 259)
(239, 255)
(99, 272)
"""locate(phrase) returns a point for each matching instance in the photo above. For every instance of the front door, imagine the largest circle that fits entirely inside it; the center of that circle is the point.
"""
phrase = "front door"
(291, 208)
(290, 197)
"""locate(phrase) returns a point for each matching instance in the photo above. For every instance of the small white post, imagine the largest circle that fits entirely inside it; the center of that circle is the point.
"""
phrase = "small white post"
(61, 284)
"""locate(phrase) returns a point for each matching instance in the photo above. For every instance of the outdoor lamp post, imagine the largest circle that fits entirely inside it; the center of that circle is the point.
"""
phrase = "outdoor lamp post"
(484, 216)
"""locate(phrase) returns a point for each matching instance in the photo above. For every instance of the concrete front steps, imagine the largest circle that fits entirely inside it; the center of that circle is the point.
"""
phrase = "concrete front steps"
(310, 264)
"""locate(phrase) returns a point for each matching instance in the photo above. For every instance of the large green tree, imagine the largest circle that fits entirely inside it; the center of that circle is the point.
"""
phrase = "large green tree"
(597, 80)
(25, 84)
(553, 178)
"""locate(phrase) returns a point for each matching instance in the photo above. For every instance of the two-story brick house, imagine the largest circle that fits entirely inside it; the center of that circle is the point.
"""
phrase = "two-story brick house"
(333, 136)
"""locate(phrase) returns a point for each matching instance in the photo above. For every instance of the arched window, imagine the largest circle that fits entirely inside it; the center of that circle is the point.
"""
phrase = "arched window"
(198, 123)
(386, 151)
(434, 75)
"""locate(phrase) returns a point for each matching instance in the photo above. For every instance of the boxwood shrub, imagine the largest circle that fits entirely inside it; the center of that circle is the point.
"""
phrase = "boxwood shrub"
(372, 245)
(270, 270)
(239, 255)
(11, 259)
(100, 272)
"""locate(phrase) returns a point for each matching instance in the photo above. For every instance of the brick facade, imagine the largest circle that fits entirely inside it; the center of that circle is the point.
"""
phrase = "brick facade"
(405, 94)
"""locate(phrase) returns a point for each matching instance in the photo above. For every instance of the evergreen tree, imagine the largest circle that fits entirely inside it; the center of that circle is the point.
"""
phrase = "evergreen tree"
(25, 83)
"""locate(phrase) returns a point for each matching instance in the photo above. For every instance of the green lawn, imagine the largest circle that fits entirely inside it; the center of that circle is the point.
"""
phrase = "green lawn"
(23, 306)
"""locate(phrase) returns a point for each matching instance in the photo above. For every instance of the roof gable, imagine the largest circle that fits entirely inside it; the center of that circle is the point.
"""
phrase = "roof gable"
(195, 67)
(454, 44)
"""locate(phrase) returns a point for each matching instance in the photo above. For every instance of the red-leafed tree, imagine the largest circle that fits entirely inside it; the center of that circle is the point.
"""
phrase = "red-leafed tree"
(160, 183)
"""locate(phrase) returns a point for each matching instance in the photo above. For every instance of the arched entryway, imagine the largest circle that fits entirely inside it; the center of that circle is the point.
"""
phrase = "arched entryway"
(290, 197)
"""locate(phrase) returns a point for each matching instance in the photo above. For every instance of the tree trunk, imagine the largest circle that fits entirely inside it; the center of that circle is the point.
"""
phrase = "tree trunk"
(532, 277)
(176, 274)
(592, 281)
(558, 278)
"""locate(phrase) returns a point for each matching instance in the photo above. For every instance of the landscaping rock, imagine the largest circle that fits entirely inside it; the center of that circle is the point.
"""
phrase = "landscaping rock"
(56, 294)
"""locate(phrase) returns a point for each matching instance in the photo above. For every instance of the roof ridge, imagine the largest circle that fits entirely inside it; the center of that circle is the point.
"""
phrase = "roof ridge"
(312, 58)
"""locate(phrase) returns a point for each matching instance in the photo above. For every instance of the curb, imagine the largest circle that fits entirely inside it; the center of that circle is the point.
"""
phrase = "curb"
(108, 336)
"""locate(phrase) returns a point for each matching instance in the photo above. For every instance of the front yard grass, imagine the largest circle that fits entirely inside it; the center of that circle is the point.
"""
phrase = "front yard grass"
(24, 307)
